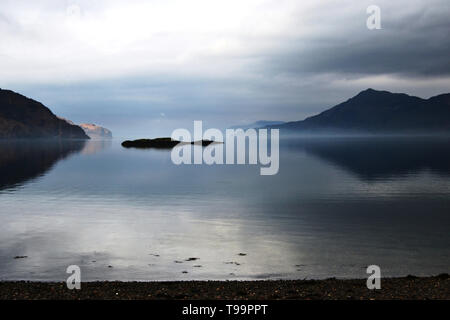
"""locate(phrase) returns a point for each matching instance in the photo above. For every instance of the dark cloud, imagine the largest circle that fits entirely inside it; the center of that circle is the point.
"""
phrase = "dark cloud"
(276, 60)
(416, 44)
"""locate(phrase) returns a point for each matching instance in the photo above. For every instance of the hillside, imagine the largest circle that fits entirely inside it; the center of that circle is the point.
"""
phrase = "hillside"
(373, 111)
(21, 117)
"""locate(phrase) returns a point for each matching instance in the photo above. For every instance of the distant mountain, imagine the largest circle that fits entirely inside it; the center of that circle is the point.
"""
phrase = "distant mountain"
(257, 124)
(21, 117)
(96, 132)
(92, 130)
(373, 111)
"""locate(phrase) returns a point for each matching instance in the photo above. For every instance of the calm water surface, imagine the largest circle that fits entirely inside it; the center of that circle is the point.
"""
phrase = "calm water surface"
(335, 207)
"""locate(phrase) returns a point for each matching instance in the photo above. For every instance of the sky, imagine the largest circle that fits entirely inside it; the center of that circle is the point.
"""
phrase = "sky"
(145, 68)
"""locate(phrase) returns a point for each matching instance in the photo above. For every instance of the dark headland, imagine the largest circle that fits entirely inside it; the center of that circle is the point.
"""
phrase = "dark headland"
(405, 288)
(22, 117)
(158, 143)
(379, 112)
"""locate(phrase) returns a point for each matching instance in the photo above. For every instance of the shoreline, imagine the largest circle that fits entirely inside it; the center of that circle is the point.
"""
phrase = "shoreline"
(402, 288)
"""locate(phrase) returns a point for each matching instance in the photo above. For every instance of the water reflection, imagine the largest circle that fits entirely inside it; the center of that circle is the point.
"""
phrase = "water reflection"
(95, 146)
(328, 212)
(380, 158)
(25, 160)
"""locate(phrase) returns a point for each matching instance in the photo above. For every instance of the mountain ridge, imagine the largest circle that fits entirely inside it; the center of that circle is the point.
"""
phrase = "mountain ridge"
(22, 117)
(376, 111)
(95, 131)
(257, 124)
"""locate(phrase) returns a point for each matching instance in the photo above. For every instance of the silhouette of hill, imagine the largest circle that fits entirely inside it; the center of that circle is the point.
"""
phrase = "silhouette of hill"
(21, 117)
(373, 111)
(257, 124)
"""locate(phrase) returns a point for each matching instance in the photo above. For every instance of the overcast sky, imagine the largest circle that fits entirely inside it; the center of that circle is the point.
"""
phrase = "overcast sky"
(143, 68)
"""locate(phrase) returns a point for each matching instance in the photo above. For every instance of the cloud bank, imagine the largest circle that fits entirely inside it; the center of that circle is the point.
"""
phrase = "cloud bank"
(156, 65)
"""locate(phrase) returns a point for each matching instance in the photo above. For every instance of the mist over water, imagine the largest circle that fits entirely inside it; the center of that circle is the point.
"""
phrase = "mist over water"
(335, 207)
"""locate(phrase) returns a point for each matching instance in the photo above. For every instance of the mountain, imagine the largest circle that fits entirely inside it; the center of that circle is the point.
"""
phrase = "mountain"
(257, 124)
(21, 117)
(373, 111)
(96, 132)
(92, 130)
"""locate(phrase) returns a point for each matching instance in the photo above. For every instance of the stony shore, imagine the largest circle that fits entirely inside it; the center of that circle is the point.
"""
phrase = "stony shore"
(410, 288)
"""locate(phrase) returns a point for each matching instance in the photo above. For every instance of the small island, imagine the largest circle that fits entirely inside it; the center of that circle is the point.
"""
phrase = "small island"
(160, 143)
